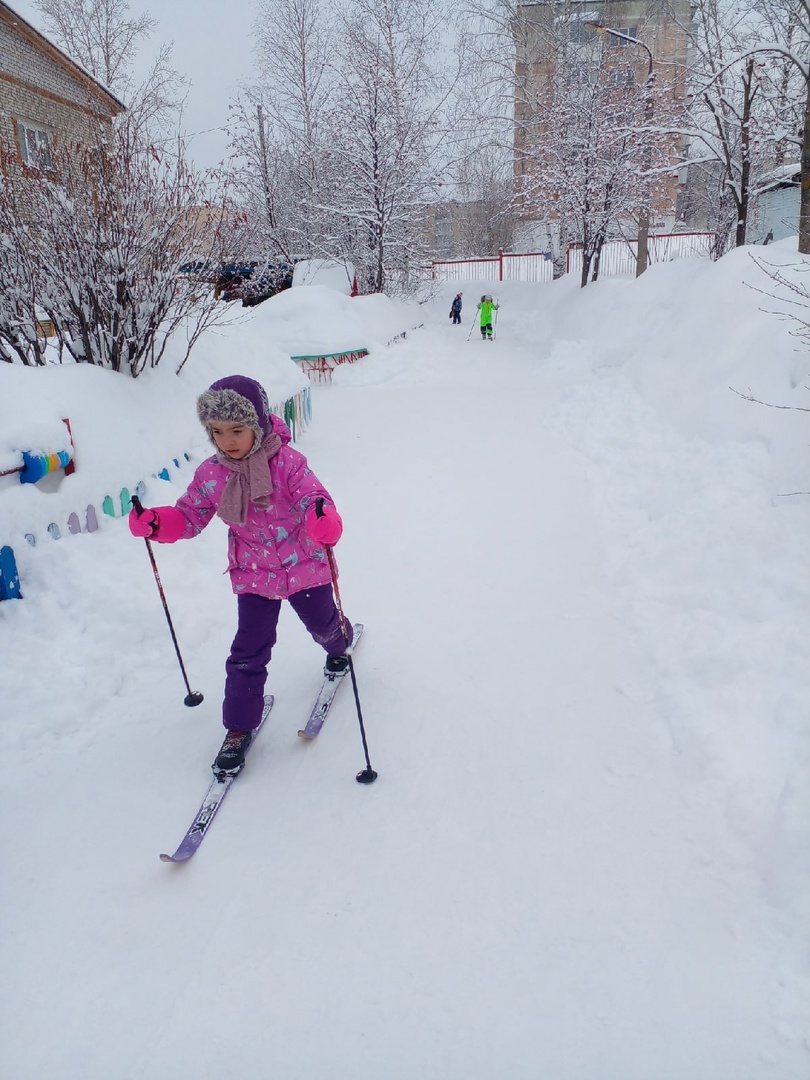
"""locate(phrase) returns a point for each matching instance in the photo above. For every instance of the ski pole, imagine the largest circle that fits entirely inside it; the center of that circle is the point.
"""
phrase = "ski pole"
(472, 327)
(495, 323)
(193, 697)
(367, 775)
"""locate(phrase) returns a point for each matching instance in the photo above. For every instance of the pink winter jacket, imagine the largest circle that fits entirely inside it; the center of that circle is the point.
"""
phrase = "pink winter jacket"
(270, 554)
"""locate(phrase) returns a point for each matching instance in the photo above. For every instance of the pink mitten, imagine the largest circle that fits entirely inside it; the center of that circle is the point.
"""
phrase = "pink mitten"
(165, 524)
(326, 529)
(144, 524)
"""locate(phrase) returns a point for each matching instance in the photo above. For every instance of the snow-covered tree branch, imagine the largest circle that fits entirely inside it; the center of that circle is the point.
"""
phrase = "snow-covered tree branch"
(115, 247)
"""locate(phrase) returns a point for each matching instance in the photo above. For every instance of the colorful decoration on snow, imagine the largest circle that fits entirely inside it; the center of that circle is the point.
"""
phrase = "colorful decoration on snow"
(320, 368)
(34, 466)
(296, 412)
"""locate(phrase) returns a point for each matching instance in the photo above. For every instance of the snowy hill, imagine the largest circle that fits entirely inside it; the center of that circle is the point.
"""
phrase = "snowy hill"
(585, 584)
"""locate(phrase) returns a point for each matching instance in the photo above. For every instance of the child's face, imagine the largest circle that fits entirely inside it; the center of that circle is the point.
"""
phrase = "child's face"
(235, 440)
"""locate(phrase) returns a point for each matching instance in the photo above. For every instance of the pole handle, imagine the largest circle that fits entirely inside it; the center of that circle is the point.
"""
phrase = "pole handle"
(137, 505)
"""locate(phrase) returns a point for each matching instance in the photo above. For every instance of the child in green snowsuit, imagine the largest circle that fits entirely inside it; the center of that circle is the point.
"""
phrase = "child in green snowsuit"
(486, 307)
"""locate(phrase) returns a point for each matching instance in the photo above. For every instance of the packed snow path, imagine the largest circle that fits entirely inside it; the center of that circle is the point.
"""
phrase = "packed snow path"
(540, 883)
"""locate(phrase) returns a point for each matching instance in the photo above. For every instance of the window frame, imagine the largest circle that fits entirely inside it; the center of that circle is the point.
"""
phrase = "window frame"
(37, 145)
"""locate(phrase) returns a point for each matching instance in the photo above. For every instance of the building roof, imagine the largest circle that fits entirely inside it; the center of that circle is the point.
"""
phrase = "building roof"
(9, 16)
(783, 177)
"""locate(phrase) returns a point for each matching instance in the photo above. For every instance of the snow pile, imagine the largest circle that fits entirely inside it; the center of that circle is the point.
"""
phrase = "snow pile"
(585, 584)
(326, 273)
(318, 321)
(124, 430)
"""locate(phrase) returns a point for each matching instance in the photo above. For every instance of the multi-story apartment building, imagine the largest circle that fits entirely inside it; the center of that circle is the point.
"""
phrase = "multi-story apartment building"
(642, 44)
(47, 102)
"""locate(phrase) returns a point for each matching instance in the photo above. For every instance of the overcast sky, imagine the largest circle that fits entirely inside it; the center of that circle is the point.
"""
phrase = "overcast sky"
(212, 46)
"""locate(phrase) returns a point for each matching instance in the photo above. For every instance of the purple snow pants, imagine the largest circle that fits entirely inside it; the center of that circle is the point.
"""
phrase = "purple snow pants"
(246, 667)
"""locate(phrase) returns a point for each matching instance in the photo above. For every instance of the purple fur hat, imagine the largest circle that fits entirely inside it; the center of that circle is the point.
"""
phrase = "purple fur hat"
(236, 400)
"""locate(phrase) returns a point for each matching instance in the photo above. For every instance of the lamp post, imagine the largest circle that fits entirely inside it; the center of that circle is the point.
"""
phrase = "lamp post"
(642, 256)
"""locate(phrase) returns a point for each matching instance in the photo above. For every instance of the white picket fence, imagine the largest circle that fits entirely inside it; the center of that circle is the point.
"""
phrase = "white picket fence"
(618, 258)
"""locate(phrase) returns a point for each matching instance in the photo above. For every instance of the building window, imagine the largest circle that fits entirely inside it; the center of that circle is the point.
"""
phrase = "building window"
(581, 27)
(577, 32)
(621, 79)
(36, 146)
(622, 42)
(578, 73)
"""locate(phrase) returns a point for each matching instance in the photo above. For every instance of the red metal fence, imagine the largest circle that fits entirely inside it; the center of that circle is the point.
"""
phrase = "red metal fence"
(532, 266)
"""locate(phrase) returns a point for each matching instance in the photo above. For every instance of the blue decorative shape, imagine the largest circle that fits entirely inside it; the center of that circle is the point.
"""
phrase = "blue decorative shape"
(9, 575)
(34, 468)
(163, 474)
(53, 531)
(32, 540)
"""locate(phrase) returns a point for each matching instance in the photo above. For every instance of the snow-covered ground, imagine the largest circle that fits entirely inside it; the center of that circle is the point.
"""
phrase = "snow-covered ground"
(584, 572)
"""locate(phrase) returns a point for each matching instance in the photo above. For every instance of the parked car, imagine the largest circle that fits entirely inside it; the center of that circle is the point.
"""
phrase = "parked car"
(249, 281)
(252, 282)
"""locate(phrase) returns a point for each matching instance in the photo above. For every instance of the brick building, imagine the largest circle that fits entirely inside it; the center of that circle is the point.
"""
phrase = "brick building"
(649, 37)
(47, 102)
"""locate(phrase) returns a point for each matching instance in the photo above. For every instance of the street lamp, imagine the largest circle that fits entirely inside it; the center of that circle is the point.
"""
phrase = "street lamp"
(642, 255)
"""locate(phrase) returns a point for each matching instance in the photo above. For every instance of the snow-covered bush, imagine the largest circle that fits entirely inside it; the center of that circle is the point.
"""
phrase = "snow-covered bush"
(113, 247)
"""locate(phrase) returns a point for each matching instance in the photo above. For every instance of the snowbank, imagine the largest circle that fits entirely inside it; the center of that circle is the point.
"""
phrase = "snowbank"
(124, 430)
(582, 542)
(317, 321)
(327, 273)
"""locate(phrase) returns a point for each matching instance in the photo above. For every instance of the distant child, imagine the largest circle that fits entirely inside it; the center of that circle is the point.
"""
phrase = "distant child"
(455, 309)
(486, 307)
(266, 494)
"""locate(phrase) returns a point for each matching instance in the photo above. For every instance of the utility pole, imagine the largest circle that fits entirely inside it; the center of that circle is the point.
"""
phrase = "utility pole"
(268, 198)
(642, 253)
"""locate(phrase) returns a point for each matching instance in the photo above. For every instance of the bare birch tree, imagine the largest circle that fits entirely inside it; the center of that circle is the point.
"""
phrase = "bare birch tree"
(744, 109)
(104, 38)
(281, 155)
(386, 128)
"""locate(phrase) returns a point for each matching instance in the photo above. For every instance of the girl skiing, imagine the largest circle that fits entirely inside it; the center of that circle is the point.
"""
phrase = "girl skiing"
(486, 307)
(265, 492)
